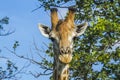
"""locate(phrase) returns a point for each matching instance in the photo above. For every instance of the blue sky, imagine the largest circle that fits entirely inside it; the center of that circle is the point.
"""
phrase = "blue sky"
(24, 22)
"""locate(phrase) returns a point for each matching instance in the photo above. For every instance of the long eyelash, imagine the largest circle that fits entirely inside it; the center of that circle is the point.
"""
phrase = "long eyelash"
(74, 38)
(52, 39)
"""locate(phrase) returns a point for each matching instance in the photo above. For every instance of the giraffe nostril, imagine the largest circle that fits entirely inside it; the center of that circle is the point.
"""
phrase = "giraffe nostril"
(62, 50)
(65, 51)
(68, 50)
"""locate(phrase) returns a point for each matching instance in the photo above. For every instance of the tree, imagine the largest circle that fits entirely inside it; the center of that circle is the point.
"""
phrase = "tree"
(99, 46)
(3, 32)
(9, 71)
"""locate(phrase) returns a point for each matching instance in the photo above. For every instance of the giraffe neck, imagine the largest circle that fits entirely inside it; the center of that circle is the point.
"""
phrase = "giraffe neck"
(61, 70)
(64, 72)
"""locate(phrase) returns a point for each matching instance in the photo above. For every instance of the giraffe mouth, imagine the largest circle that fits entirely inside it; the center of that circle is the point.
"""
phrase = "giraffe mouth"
(65, 58)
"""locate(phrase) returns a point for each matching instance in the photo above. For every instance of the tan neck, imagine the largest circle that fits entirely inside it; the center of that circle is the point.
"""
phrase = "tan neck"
(61, 70)
(64, 74)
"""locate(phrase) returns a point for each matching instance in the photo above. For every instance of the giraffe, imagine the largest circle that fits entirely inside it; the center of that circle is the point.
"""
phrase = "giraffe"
(62, 35)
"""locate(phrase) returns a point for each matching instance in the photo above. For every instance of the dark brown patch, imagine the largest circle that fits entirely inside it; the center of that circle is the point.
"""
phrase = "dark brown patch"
(64, 78)
(65, 72)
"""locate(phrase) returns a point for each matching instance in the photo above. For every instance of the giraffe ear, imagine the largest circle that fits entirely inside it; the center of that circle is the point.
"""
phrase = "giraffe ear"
(44, 30)
(80, 29)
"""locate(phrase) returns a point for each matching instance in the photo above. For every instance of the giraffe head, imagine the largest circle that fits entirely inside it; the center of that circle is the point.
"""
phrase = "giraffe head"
(62, 34)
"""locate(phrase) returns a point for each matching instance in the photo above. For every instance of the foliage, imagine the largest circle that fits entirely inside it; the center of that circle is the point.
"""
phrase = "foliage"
(95, 48)
(8, 72)
(16, 44)
(3, 32)
(100, 45)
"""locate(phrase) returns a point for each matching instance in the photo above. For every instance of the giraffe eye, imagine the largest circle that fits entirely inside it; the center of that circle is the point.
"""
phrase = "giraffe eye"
(52, 39)
(74, 38)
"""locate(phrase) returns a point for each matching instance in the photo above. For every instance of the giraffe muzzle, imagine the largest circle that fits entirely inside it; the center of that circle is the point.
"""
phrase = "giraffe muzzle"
(65, 50)
(65, 55)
